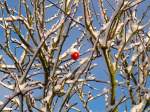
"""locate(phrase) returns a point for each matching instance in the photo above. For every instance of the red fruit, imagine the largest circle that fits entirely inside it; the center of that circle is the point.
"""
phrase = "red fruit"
(75, 55)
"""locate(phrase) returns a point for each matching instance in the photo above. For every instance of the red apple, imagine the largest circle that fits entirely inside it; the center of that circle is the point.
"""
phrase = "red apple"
(75, 54)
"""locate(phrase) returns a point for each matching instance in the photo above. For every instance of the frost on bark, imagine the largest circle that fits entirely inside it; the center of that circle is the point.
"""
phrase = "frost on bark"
(37, 72)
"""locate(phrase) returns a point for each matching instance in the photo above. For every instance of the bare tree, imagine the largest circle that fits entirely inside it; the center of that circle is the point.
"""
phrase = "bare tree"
(50, 49)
